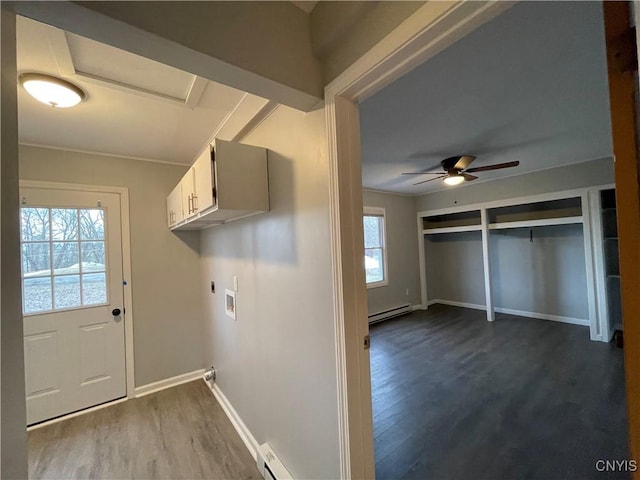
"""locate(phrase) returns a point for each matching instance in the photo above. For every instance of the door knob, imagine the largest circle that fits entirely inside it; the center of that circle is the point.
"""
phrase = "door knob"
(115, 312)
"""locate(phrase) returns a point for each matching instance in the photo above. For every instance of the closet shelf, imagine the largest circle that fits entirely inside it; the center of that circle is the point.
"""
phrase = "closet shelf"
(536, 223)
(464, 228)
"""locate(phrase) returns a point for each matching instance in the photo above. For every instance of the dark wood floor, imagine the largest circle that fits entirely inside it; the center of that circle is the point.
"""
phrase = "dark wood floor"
(455, 397)
(177, 433)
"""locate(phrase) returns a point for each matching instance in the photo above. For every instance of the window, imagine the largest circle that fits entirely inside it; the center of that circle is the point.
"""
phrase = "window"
(375, 256)
(63, 258)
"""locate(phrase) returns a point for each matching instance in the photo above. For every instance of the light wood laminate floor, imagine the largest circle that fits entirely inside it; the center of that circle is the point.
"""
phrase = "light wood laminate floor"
(457, 397)
(178, 433)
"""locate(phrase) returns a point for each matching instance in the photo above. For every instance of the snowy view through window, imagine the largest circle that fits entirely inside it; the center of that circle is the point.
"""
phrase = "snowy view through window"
(63, 258)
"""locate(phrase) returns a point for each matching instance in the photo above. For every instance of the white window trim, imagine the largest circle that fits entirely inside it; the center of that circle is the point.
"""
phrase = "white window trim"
(379, 211)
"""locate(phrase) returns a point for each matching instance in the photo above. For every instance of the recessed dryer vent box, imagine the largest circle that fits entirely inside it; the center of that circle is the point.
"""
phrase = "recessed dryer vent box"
(230, 303)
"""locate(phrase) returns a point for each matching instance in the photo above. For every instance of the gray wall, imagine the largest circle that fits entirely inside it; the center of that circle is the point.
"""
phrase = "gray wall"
(341, 32)
(586, 174)
(167, 302)
(545, 276)
(276, 362)
(454, 267)
(13, 456)
(402, 252)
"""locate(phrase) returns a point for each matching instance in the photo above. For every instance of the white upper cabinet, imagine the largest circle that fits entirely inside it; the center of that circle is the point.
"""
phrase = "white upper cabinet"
(187, 193)
(224, 184)
(203, 171)
(175, 214)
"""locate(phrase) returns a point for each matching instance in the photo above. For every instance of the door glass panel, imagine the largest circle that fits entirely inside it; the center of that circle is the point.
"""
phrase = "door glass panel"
(34, 223)
(67, 291)
(92, 256)
(35, 259)
(64, 223)
(94, 288)
(36, 294)
(65, 258)
(92, 224)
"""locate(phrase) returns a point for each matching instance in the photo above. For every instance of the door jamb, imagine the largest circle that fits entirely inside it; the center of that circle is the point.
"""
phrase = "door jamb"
(432, 28)
(123, 193)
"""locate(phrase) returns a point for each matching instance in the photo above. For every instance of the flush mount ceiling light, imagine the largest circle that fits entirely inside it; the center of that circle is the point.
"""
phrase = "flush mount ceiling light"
(52, 91)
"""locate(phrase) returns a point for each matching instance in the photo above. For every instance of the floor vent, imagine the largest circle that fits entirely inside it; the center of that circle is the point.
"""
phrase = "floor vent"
(387, 314)
(269, 465)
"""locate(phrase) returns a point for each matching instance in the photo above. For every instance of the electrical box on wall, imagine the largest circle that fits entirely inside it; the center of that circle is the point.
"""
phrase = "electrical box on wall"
(230, 303)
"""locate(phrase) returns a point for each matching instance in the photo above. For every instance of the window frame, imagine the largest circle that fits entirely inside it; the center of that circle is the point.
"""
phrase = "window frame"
(378, 212)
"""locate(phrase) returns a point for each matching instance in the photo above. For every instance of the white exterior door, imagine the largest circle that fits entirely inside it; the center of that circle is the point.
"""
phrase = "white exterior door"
(72, 284)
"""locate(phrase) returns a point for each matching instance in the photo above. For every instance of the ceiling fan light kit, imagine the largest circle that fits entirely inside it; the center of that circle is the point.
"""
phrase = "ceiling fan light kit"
(456, 170)
(453, 179)
(51, 91)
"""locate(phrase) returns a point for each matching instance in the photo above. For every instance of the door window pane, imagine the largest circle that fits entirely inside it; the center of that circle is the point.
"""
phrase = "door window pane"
(36, 294)
(65, 258)
(67, 291)
(35, 259)
(34, 223)
(92, 256)
(64, 224)
(94, 288)
(92, 224)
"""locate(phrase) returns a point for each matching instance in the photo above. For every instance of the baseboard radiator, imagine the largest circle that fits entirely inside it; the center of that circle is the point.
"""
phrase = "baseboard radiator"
(391, 313)
(269, 465)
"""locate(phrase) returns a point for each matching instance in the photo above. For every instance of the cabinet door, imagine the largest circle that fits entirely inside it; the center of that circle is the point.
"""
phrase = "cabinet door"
(204, 182)
(187, 187)
(174, 206)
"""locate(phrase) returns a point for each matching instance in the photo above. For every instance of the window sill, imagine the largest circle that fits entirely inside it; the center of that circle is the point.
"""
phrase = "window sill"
(383, 283)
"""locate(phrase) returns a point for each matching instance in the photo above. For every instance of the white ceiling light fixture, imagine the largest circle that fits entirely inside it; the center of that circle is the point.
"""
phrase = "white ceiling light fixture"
(51, 91)
(453, 179)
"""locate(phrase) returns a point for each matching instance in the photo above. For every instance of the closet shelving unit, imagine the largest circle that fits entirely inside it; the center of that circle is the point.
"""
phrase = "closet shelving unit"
(559, 208)
(611, 261)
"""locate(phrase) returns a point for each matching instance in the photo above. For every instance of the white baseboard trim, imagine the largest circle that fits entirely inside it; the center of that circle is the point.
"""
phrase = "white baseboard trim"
(521, 313)
(168, 383)
(417, 307)
(245, 434)
(76, 414)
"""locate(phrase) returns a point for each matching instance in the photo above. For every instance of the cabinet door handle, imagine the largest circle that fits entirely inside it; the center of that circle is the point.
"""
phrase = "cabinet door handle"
(190, 203)
(195, 203)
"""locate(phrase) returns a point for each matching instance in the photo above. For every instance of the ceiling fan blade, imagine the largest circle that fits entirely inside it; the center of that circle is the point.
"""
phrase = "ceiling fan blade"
(423, 173)
(468, 177)
(496, 166)
(430, 180)
(464, 162)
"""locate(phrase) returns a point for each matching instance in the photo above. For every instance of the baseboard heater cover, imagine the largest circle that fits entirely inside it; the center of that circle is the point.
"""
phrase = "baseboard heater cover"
(387, 314)
(269, 465)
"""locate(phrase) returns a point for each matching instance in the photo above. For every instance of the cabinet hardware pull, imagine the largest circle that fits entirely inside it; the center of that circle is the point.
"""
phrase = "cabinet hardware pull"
(195, 203)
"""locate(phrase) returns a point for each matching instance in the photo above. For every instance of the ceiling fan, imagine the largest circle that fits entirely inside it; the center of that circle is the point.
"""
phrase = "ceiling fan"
(456, 170)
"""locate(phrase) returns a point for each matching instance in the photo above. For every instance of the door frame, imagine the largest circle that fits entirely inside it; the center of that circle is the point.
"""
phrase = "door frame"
(123, 194)
(431, 29)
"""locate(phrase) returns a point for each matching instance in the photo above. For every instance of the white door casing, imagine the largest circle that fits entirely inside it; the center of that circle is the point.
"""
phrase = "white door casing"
(74, 345)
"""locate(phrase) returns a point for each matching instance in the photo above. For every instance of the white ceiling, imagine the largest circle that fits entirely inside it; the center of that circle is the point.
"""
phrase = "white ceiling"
(530, 85)
(135, 107)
